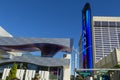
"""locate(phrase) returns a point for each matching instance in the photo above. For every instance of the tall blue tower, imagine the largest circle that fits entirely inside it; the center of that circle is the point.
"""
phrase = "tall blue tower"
(87, 53)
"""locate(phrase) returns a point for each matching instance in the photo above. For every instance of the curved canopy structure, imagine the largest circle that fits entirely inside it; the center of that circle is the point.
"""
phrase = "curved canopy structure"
(42, 61)
(47, 46)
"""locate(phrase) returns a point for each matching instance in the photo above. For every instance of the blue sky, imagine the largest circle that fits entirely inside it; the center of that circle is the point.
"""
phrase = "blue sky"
(51, 18)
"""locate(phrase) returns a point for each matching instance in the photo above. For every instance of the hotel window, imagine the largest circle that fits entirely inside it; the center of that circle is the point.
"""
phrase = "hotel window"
(119, 38)
(99, 55)
(112, 24)
(97, 28)
(97, 24)
(104, 24)
(118, 24)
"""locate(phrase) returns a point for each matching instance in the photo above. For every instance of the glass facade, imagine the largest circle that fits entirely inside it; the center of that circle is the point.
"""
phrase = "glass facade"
(55, 72)
(20, 66)
(106, 36)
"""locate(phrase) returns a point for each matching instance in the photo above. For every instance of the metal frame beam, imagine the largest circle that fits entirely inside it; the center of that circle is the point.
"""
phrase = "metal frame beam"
(98, 69)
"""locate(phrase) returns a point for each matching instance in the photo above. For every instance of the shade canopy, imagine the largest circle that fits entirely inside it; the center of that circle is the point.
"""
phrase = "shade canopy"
(47, 46)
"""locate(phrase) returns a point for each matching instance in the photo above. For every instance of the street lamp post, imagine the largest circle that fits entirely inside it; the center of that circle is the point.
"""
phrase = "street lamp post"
(76, 53)
(75, 56)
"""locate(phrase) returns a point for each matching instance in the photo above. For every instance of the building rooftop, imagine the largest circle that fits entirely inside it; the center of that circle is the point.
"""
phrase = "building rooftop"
(106, 18)
(47, 46)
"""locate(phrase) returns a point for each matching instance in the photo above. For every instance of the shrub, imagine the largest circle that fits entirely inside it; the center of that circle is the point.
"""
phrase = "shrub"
(12, 73)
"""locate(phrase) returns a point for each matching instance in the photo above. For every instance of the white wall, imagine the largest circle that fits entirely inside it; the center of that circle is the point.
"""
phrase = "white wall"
(66, 73)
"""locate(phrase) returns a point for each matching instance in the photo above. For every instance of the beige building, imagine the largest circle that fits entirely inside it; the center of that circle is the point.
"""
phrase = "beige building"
(105, 35)
(112, 62)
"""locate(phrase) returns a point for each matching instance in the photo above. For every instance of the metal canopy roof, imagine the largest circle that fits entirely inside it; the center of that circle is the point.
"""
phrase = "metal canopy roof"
(48, 46)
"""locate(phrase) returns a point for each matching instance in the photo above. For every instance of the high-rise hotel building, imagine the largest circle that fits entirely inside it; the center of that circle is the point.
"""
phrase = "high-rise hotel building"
(106, 35)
